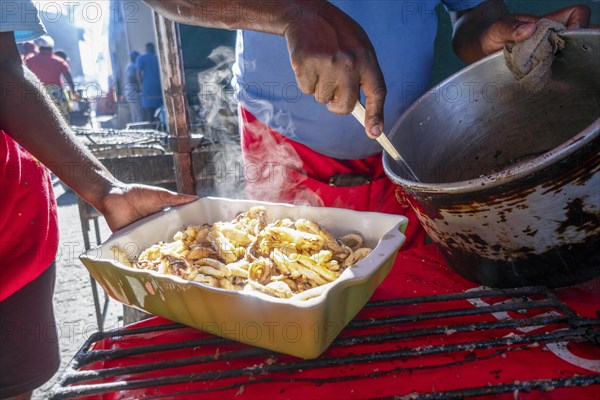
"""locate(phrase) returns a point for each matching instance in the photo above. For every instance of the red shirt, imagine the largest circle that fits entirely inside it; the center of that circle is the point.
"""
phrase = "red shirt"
(28, 218)
(48, 68)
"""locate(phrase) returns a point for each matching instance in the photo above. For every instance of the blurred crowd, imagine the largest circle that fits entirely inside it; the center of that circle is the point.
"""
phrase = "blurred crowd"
(53, 70)
(142, 88)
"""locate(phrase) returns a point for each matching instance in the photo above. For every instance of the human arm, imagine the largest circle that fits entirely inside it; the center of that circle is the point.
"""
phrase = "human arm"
(485, 29)
(133, 76)
(29, 116)
(139, 74)
(331, 55)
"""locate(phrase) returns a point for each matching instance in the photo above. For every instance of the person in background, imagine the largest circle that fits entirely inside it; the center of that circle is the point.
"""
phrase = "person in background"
(62, 54)
(132, 88)
(332, 50)
(149, 78)
(33, 134)
(28, 50)
(50, 70)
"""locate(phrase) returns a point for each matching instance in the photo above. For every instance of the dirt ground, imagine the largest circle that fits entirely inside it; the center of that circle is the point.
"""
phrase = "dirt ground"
(73, 300)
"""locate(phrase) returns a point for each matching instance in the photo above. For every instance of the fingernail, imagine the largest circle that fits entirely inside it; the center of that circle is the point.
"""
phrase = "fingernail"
(376, 130)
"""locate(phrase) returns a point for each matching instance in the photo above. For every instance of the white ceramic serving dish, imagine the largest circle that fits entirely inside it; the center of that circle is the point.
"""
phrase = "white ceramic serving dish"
(296, 326)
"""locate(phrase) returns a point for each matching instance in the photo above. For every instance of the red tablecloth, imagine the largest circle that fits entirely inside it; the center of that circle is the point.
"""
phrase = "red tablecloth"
(416, 273)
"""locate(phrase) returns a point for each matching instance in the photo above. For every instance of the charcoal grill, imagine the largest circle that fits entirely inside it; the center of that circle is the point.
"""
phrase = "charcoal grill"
(110, 143)
(462, 342)
(113, 146)
(133, 156)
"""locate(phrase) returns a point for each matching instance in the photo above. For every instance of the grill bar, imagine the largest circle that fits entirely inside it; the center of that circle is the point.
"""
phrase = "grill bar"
(515, 292)
(552, 337)
(79, 376)
(462, 312)
(136, 331)
(450, 329)
(539, 384)
(484, 293)
(571, 328)
(140, 134)
(559, 304)
(357, 324)
(98, 355)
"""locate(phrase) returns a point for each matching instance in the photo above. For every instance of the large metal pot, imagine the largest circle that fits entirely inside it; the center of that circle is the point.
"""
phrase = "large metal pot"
(510, 188)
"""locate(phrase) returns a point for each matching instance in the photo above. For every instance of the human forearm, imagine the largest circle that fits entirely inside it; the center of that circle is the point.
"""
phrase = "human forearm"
(46, 135)
(70, 82)
(330, 53)
(257, 15)
(29, 116)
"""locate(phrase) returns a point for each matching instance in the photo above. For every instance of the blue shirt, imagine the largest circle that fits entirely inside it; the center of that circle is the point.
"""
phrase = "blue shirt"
(403, 35)
(151, 88)
(21, 17)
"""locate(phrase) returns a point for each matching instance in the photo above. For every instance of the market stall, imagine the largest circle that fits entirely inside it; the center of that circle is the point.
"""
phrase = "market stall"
(426, 333)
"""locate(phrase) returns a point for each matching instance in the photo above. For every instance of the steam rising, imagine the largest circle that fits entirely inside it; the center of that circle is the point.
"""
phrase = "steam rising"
(219, 110)
(273, 171)
(216, 93)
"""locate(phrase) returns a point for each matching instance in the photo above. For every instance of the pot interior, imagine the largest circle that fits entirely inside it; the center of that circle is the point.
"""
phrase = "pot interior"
(479, 122)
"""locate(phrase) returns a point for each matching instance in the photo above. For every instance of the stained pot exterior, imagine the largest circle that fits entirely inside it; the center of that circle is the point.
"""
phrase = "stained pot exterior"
(511, 192)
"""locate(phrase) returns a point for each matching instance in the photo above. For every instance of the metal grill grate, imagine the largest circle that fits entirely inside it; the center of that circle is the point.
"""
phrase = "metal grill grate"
(122, 143)
(385, 332)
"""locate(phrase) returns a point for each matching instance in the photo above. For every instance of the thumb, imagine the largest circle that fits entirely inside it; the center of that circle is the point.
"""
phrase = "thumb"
(521, 31)
(177, 199)
(373, 86)
(504, 31)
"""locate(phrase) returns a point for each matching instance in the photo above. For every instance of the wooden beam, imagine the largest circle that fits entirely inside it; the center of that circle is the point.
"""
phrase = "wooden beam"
(173, 81)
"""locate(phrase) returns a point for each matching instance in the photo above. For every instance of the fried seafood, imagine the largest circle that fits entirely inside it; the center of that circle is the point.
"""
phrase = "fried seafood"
(281, 259)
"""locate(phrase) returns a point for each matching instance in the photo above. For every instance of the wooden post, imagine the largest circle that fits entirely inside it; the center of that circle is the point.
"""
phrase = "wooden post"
(171, 64)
